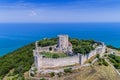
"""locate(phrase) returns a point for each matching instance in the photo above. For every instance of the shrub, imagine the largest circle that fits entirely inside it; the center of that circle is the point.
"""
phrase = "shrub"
(99, 63)
(112, 60)
(52, 74)
(117, 66)
(105, 55)
(111, 56)
(90, 62)
(55, 56)
(32, 74)
(98, 56)
(35, 70)
(10, 74)
(42, 79)
(59, 74)
(105, 63)
(102, 62)
(68, 70)
(99, 59)
(117, 59)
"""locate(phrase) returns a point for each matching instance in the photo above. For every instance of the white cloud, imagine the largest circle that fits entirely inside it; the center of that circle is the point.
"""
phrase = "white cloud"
(33, 13)
(26, 12)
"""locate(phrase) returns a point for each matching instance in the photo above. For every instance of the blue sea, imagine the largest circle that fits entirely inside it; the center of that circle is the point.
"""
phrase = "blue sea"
(16, 35)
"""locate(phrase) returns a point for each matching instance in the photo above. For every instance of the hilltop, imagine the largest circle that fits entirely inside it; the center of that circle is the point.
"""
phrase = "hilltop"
(21, 60)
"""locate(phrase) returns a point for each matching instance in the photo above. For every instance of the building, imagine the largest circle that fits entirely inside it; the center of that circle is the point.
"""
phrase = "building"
(63, 42)
(63, 46)
(42, 63)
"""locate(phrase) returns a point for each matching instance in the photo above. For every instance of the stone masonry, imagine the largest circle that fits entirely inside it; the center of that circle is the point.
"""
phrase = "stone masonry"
(44, 63)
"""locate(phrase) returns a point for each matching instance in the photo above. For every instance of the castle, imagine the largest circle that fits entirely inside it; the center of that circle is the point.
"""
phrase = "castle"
(65, 46)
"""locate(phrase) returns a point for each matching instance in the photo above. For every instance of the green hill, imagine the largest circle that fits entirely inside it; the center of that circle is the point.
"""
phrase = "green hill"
(21, 59)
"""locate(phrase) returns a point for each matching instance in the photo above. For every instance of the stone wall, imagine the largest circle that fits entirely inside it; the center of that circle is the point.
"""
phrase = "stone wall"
(45, 49)
(51, 63)
(99, 50)
(41, 62)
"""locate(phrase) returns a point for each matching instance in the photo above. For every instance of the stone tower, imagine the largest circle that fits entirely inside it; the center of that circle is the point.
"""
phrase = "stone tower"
(63, 42)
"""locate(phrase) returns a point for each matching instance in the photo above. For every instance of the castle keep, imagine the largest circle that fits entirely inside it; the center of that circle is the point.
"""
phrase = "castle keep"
(64, 46)
(63, 42)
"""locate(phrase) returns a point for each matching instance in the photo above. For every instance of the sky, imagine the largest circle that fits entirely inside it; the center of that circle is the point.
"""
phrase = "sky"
(54, 11)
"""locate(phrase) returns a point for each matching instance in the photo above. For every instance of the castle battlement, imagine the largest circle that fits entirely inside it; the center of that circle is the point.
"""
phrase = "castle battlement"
(43, 62)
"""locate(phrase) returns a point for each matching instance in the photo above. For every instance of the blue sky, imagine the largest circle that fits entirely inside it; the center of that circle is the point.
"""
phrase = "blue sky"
(45, 11)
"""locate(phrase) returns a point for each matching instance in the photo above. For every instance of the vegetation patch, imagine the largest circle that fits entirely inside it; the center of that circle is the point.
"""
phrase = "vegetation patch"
(52, 74)
(101, 61)
(20, 60)
(48, 42)
(42, 79)
(83, 46)
(115, 60)
(68, 70)
(79, 46)
(53, 55)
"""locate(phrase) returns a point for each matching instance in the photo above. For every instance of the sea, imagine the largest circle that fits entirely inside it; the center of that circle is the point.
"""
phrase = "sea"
(16, 35)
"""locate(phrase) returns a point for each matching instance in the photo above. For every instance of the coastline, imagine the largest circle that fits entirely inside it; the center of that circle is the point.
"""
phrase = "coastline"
(22, 36)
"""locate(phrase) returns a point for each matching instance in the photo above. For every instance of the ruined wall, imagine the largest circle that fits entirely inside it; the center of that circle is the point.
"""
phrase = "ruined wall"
(41, 62)
(51, 63)
(99, 50)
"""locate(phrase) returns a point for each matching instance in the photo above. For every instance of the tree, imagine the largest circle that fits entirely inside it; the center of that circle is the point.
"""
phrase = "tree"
(98, 56)
(68, 70)
(55, 56)
(52, 74)
(117, 66)
(105, 63)
(75, 42)
(42, 79)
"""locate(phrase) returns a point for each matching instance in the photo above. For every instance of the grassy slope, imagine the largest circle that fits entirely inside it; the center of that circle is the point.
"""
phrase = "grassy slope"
(96, 72)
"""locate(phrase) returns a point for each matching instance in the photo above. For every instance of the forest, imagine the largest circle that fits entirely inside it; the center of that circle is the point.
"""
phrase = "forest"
(21, 59)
